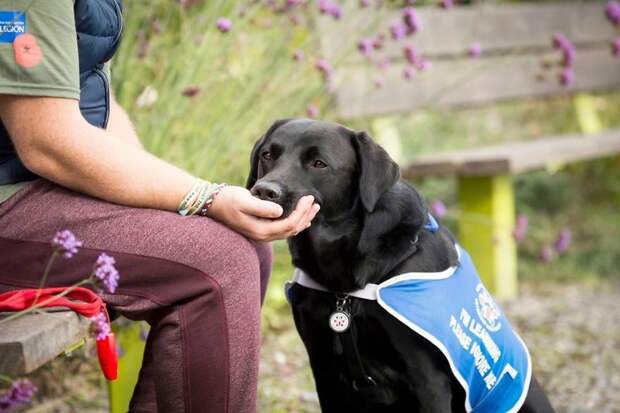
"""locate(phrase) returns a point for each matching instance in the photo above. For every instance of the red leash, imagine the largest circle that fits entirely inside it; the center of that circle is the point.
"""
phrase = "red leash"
(80, 300)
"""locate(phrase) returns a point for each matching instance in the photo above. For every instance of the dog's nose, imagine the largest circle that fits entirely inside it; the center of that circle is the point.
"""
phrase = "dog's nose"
(267, 191)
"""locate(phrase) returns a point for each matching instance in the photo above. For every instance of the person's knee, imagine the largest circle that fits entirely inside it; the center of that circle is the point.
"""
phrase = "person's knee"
(221, 254)
(232, 260)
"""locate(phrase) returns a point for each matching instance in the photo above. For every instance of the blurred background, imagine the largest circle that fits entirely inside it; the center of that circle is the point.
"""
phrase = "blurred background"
(203, 79)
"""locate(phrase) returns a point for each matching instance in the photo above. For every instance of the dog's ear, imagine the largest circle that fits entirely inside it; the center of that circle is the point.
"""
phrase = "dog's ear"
(253, 176)
(378, 172)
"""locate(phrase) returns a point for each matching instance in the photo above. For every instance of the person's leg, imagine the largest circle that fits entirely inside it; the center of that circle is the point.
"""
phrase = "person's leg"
(196, 282)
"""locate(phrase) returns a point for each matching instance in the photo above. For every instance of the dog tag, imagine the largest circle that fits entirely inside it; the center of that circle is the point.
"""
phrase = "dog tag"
(339, 321)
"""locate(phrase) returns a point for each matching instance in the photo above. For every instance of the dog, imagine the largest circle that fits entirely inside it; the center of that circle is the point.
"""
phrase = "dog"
(371, 228)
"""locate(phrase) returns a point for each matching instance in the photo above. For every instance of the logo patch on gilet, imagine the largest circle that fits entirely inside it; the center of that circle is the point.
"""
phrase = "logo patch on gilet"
(12, 24)
(454, 311)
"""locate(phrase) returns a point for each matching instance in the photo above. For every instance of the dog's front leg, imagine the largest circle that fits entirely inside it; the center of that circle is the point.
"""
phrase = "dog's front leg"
(430, 386)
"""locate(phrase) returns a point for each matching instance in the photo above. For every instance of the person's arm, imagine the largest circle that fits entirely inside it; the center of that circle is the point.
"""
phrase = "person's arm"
(54, 141)
(119, 124)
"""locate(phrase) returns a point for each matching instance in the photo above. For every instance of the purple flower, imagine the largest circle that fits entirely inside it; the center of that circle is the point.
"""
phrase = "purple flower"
(423, 64)
(446, 4)
(323, 66)
(411, 20)
(475, 50)
(100, 327)
(409, 73)
(398, 31)
(365, 46)
(615, 46)
(568, 56)
(520, 228)
(364, 3)
(336, 12)
(65, 243)
(410, 54)
(331, 8)
(377, 42)
(312, 111)
(292, 3)
(325, 6)
(560, 41)
(20, 392)
(546, 254)
(379, 82)
(563, 241)
(224, 25)
(566, 47)
(298, 55)
(438, 208)
(612, 11)
(567, 77)
(105, 273)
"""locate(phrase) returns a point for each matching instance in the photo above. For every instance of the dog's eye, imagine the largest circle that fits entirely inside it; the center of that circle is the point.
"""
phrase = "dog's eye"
(319, 164)
(266, 155)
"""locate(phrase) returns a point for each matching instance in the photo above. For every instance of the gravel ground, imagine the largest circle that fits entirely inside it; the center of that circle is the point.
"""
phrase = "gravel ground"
(572, 330)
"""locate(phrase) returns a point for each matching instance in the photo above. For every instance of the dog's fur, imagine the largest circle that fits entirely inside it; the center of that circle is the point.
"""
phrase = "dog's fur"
(362, 234)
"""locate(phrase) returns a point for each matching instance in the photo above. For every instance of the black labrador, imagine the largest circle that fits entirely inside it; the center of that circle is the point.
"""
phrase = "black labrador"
(362, 234)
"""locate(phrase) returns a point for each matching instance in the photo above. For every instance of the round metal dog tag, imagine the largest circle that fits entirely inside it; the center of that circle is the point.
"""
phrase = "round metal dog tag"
(339, 321)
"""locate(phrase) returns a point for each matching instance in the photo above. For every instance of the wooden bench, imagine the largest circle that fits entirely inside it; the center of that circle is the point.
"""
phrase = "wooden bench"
(516, 40)
(33, 340)
(29, 342)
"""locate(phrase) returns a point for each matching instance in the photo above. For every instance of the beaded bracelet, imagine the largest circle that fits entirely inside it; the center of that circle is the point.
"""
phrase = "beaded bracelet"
(210, 199)
(200, 198)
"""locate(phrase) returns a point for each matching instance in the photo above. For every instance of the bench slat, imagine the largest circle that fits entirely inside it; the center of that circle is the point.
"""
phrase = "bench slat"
(469, 82)
(516, 157)
(28, 342)
(520, 26)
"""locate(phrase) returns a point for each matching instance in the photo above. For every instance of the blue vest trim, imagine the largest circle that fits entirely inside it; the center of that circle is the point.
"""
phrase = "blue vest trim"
(431, 225)
(454, 311)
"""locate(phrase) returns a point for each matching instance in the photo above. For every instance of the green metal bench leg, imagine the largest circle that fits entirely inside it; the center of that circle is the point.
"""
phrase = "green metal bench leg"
(129, 363)
(485, 230)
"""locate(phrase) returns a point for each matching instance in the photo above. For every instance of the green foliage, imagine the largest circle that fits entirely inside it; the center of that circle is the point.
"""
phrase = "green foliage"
(244, 79)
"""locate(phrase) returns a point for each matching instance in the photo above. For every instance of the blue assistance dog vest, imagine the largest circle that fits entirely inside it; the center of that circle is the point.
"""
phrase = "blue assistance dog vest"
(453, 310)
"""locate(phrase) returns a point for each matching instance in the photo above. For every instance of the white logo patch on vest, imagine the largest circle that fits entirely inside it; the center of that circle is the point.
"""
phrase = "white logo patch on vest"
(12, 24)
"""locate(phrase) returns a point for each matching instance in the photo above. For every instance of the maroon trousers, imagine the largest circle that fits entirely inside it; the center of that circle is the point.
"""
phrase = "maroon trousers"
(196, 282)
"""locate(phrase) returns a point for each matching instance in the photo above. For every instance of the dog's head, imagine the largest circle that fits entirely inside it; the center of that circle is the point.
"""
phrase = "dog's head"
(336, 165)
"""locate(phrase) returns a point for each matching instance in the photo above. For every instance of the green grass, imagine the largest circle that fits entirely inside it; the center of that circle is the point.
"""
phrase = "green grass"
(246, 79)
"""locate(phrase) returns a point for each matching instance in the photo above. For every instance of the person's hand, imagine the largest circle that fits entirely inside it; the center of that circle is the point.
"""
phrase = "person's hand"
(239, 210)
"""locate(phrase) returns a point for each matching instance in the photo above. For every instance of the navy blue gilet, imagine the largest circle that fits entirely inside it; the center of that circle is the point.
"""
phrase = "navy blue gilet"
(98, 25)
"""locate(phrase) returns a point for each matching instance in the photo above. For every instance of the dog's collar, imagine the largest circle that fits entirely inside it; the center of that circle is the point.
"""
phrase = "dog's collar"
(369, 292)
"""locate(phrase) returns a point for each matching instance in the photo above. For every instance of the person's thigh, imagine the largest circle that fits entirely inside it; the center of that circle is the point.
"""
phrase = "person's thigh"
(30, 219)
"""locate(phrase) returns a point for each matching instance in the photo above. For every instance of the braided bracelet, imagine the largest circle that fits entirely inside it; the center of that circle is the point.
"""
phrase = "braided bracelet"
(213, 193)
(190, 198)
(200, 198)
